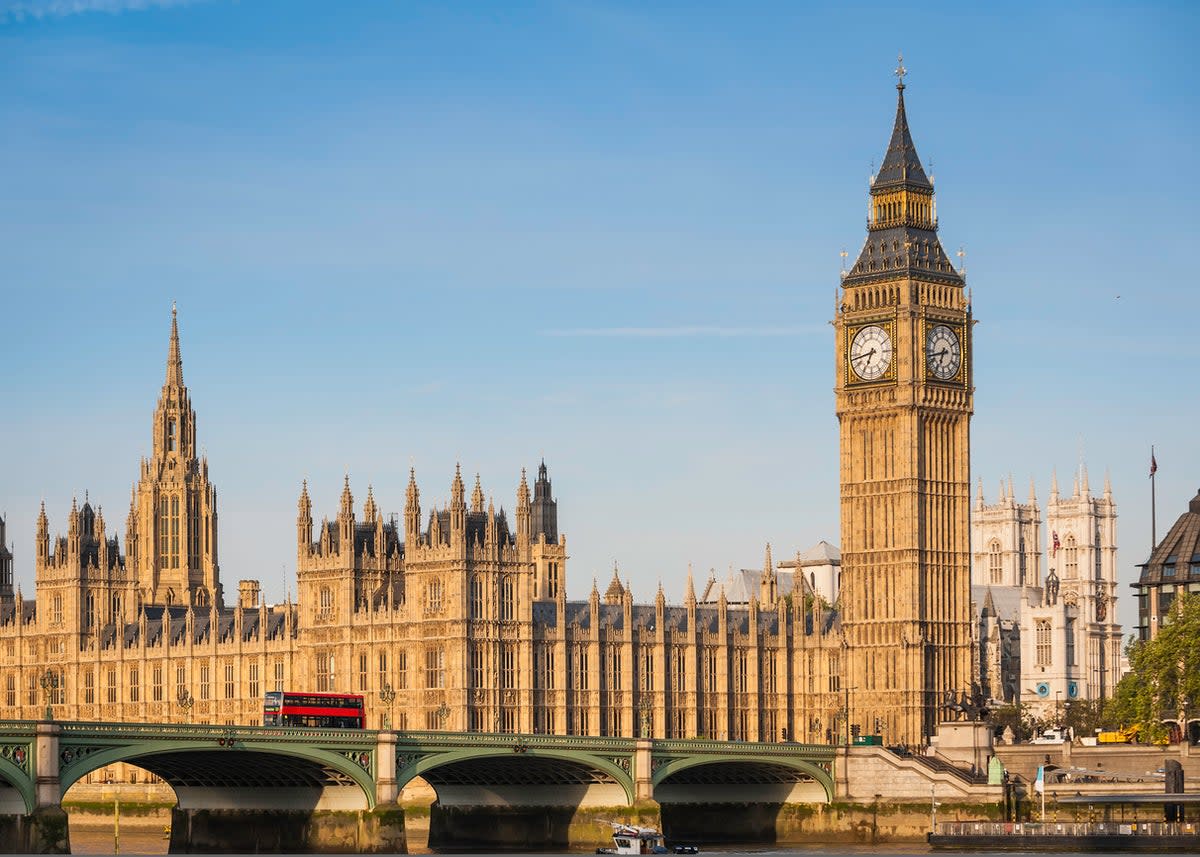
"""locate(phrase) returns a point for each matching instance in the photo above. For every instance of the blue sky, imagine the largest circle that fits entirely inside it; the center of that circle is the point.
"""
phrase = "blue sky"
(606, 233)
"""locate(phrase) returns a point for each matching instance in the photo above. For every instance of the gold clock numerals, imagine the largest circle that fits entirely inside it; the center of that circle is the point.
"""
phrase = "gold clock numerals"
(870, 352)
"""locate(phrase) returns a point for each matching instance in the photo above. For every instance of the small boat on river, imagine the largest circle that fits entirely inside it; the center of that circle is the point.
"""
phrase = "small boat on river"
(630, 839)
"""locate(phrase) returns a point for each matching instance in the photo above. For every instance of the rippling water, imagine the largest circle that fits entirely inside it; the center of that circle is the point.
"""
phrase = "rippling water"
(149, 839)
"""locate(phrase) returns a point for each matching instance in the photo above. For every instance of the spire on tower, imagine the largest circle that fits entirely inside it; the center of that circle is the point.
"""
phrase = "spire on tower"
(347, 505)
(901, 164)
(902, 214)
(1054, 485)
(174, 361)
(477, 496)
(456, 487)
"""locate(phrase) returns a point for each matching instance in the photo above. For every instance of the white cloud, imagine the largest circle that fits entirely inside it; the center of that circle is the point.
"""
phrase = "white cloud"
(19, 10)
(680, 332)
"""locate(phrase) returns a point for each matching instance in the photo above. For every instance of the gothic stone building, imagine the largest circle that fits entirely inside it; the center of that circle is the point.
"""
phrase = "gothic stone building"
(455, 619)
(451, 619)
(1045, 642)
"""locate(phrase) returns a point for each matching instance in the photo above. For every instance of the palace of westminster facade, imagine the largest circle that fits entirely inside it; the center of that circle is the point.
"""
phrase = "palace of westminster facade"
(456, 619)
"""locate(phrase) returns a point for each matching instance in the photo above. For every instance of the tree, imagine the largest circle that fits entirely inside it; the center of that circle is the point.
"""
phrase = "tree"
(1024, 726)
(1083, 716)
(1163, 683)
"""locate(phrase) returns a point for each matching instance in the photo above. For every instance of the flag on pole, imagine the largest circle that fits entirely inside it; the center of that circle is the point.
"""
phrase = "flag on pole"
(1055, 545)
(1153, 464)
(1039, 785)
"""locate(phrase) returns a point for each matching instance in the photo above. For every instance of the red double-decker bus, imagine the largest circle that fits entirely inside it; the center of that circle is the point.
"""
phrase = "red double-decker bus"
(318, 710)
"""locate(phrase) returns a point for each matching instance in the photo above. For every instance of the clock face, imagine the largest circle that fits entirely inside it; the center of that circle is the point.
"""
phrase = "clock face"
(943, 353)
(871, 352)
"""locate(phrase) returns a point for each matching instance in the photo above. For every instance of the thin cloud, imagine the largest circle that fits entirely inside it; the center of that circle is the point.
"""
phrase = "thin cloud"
(19, 10)
(695, 331)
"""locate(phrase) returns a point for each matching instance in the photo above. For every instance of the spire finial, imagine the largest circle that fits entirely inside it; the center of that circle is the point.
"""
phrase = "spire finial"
(174, 361)
(900, 70)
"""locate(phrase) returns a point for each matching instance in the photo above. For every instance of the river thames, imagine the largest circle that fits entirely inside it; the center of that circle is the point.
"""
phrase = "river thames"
(145, 840)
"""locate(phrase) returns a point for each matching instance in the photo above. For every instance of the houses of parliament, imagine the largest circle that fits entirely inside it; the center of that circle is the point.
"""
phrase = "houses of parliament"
(456, 617)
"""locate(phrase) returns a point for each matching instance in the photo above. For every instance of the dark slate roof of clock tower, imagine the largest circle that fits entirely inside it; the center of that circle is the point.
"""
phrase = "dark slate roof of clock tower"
(901, 164)
(906, 249)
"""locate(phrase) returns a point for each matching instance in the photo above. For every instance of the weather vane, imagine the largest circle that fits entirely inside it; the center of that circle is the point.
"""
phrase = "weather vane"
(900, 69)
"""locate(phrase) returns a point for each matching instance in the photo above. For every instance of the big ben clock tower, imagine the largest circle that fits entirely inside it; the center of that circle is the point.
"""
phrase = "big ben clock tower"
(904, 404)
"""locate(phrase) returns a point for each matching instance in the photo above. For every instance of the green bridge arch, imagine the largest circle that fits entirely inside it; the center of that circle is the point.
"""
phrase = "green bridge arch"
(436, 760)
(19, 780)
(815, 771)
(86, 762)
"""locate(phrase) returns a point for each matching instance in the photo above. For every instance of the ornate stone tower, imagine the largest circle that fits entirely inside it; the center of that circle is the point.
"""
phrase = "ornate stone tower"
(6, 578)
(904, 403)
(171, 532)
(1081, 555)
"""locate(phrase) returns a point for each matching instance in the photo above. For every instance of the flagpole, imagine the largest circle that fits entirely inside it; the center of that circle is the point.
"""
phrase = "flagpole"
(1153, 514)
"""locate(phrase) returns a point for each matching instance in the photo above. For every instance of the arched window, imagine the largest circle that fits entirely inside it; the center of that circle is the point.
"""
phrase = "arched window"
(477, 596)
(56, 610)
(508, 599)
(434, 590)
(325, 602)
(995, 566)
(1070, 559)
(170, 435)
(174, 532)
(164, 526)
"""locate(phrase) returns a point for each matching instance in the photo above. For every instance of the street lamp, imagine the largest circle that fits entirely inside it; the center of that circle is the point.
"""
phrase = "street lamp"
(49, 682)
(442, 712)
(644, 706)
(185, 700)
(386, 696)
(1058, 708)
(848, 689)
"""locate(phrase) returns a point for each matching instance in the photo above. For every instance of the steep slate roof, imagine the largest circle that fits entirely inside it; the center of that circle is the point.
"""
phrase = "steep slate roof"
(1179, 548)
(1005, 601)
(901, 166)
(903, 249)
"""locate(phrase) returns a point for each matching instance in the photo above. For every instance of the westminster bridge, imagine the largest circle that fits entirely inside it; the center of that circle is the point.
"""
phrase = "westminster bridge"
(249, 788)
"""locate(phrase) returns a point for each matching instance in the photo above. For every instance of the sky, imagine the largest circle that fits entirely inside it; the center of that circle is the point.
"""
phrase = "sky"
(606, 234)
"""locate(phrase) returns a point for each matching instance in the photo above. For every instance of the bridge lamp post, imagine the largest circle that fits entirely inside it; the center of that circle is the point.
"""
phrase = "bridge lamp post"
(49, 682)
(644, 707)
(387, 696)
(186, 701)
(442, 712)
(847, 724)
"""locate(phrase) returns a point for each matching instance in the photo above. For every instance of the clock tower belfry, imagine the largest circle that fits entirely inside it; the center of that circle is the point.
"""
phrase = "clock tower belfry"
(904, 403)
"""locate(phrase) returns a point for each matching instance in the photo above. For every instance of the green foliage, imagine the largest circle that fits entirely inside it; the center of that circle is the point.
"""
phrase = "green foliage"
(1022, 723)
(1084, 716)
(1164, 674)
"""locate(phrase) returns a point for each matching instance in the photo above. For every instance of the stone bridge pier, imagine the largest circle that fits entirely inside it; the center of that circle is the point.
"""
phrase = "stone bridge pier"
(31, 814)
